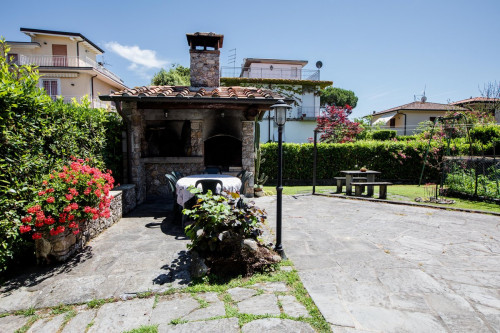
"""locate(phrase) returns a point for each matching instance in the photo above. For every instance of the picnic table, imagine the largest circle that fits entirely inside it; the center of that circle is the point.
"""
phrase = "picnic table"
(370, 178)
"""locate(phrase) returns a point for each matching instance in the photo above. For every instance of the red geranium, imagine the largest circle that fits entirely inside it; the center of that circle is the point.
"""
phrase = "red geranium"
(59, 197)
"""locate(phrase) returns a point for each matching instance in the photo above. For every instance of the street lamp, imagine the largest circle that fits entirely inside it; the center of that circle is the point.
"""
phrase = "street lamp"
(280, 109)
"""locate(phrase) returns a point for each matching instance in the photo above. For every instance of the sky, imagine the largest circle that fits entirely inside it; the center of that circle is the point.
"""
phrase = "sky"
(386, 51)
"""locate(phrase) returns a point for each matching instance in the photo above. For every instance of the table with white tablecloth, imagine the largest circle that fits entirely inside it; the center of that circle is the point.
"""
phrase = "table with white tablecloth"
(229, 183)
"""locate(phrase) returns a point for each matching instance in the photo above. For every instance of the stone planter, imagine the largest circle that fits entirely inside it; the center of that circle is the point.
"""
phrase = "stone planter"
(60, 247)
(57, 248)
(258, 192)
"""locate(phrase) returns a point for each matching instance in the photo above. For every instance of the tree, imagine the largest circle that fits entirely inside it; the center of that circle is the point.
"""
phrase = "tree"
(335, 126)
(337, 96)
(176, 76)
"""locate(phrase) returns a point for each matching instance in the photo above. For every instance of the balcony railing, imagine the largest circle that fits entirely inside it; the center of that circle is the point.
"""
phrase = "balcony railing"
(267, 73)
(95, 102)
(65, 61)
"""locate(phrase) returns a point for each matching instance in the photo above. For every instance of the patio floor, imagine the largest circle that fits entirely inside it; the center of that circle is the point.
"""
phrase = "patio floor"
(382, 267)
(368, 266)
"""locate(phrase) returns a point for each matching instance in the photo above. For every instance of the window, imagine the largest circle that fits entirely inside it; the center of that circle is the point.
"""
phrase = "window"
(13, 58)
(392, 122)
(51, 87)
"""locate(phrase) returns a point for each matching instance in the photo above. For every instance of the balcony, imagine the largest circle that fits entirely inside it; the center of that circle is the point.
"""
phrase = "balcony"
(95, 102)
(65, 61)
(267, 73)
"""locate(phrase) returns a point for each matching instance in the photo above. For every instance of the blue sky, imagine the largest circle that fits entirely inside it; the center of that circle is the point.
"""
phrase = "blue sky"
(386, 51)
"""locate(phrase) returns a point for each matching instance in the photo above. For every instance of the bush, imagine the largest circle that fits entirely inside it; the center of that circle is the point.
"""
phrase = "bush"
(383, 135)
(36, 136)
(485, 134)
(397, 160)
(221, 224)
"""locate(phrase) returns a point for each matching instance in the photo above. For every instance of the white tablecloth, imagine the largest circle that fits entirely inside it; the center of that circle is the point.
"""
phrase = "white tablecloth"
(229, 183)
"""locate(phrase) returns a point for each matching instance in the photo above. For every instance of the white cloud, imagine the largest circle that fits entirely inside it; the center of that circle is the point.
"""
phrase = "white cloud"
(141, 59)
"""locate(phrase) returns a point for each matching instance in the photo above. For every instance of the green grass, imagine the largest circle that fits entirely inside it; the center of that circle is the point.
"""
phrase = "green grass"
(28, 312)
(97, 303)
(145, 329)
(406, 193)
(61, 308)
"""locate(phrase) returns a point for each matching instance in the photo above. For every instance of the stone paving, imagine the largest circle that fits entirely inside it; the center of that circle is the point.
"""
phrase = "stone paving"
(143, 254)
(379, 267)
(368, 266)
(179, 312)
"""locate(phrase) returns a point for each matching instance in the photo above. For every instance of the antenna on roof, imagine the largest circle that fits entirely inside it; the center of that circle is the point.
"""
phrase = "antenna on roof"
(422, 97)
(231, 59)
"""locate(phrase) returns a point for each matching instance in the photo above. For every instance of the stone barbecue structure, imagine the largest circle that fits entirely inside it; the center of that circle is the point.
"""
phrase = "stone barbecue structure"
(189, 128)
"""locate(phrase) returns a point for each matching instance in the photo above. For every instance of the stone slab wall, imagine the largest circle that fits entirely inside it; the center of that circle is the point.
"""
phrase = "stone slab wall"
(129, 200)
(248, 153)
(156, 182)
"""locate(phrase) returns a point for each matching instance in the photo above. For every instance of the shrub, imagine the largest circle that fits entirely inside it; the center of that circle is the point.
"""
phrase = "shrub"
(485, 134)
(36, 136)
(222, 225)
(383, 135)
(397, 160)
(66, 198)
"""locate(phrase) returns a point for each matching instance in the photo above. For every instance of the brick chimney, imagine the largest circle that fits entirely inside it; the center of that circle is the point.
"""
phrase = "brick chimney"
(204, 51)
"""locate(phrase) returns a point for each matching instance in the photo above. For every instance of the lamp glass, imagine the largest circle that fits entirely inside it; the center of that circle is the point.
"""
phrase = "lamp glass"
(280, 115)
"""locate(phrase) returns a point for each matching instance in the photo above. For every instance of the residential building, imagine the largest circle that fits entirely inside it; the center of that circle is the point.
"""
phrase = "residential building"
(290, 79)
(405, 118)
(68, 65)
(491, 105)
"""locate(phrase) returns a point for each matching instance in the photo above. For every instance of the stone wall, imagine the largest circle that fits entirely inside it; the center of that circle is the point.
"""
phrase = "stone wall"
(156, 168)
(205, 68)
(129, 200)
(248, 153)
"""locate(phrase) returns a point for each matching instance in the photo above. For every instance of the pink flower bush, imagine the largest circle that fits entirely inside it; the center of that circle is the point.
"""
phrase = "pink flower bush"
(68, 197)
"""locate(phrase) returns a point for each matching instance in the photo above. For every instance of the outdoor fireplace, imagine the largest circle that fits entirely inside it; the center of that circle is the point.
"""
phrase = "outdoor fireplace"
(188, 128)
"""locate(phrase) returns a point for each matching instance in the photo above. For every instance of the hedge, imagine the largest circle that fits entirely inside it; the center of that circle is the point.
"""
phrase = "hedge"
(395, 160)
(37, 135)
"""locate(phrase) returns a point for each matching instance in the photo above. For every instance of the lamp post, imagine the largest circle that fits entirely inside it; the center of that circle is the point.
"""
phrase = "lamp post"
(280, 109)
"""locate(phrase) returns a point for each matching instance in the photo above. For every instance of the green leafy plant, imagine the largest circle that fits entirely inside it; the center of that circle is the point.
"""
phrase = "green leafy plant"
(218, 218)
(383, 135)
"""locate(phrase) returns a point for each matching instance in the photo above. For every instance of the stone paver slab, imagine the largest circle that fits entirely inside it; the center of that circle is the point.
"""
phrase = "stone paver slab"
(12, 323)
(213, 310)
(271, 287)
(226, 325)
(47, 325)
(275, 325)
(173, 307)
(78, 324)
(292, 307)
(239, 294)
(122, 316)
(260, 305)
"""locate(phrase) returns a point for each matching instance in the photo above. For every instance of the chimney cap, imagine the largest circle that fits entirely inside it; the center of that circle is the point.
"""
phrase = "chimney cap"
(205, 39)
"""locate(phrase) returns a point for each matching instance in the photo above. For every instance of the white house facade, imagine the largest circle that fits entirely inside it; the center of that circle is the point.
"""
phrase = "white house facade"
(290, 79)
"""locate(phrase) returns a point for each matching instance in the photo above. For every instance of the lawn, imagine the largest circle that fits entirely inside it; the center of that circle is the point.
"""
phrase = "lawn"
(397, 193)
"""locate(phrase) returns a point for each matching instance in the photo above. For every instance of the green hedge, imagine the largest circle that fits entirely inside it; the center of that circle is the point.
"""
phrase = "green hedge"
(396, 160)
(37, 135)
(384, 135)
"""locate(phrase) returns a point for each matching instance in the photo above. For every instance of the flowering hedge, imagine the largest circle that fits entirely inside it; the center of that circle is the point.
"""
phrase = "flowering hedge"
(68, 197)
(397, 160)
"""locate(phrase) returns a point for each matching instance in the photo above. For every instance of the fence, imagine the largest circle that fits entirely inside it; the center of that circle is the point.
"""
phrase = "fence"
(474, 176)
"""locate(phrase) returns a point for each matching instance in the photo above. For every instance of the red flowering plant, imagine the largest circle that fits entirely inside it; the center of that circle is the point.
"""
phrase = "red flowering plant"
(335, 126)
(68, 197)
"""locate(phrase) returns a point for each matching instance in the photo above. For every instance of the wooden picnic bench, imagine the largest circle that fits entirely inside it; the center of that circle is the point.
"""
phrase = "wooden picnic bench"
(341, 181)
(359, 186)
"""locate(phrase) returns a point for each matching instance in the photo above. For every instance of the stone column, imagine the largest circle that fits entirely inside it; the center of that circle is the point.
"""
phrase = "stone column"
(137, 173)
(196, 137)
(248, 152)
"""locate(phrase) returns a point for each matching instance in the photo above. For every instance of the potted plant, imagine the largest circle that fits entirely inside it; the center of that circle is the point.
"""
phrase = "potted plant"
(66, 199)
